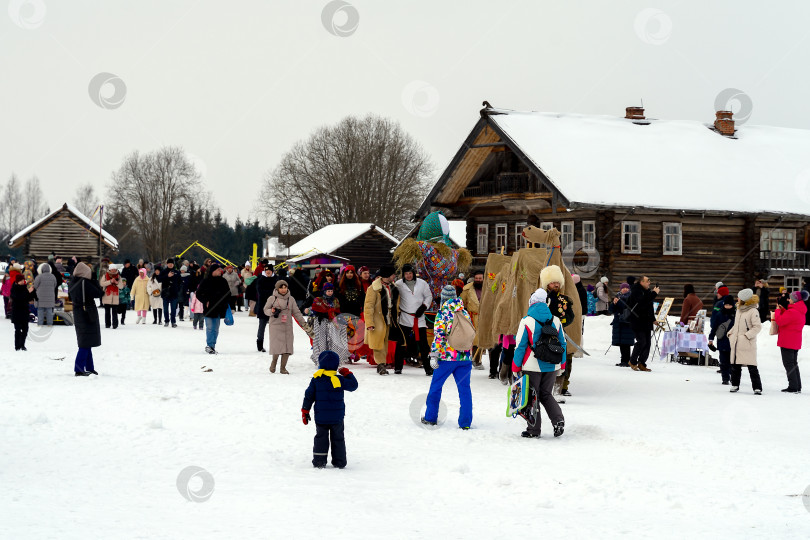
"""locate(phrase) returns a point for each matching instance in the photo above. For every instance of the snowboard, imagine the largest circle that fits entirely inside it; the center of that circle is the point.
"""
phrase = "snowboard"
(517, 396)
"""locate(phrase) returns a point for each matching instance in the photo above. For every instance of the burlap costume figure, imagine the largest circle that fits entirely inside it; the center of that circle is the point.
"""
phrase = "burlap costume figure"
(497, 265)
(515, 282)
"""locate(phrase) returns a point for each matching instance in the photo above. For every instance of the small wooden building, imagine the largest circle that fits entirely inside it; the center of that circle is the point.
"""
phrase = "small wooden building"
(679, 201)
(65, 232)
(360, 244)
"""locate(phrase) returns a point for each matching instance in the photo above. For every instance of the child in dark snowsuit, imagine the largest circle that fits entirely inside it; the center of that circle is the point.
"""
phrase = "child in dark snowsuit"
(326, 392)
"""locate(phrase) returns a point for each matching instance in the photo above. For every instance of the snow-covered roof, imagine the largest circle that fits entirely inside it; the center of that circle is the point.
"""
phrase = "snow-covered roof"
(110, 239)
(682, 165)
(458, 232)
(333, 237)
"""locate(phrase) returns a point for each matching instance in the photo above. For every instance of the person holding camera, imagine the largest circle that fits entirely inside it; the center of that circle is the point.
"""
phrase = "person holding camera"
(642, 319)
(281, 309)
(111, 284)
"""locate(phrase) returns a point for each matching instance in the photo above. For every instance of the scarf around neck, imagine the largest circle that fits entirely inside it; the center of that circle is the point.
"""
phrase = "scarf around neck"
(331, 374)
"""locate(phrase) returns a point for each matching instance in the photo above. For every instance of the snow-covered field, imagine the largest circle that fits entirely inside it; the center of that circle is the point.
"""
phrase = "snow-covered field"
(666, 454)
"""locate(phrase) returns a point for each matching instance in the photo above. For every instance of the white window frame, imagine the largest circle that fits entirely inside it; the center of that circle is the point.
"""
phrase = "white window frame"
(566, 237)
(547, 225)
(501, 233)
(520, 241)
(793, 283)
(631, 251)
(664, 235)
(482, 241)
(589, 237)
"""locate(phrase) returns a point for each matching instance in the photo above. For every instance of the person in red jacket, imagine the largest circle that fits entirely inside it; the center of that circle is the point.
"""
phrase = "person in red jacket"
(791, 323)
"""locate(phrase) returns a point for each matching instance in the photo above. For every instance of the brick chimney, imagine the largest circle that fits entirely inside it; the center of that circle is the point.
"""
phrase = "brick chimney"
(724, 123)
(634, 113)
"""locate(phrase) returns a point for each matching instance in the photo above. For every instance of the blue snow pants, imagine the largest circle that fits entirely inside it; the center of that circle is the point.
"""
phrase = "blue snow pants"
(461, 373)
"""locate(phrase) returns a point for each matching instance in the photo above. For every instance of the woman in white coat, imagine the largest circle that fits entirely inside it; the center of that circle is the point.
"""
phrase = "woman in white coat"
(743, 340)
(154, 288)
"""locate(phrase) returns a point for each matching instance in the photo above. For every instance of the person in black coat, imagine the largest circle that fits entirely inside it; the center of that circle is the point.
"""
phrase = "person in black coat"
(130, 273)
(761, 290)
(622, 336)
(298, 289)
(21, 296)
(171, 286)
(265, 286)
(642, 318)
(721, 321)
(82, 291)
(326, 391)
(215, 295)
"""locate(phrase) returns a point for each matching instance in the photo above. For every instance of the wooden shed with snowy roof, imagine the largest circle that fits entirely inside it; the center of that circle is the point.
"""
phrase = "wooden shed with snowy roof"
(65, 232)
(360, 244)
(680, 201)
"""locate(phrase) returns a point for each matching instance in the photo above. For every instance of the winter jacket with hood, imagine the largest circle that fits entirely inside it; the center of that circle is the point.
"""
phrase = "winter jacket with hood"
(791, 323)
(742, 337)
(45, 286)
(82, 291)
(139, 292)
(529, 335)
(233, 280)
(722, 317)
(441, 332)
(328, 398)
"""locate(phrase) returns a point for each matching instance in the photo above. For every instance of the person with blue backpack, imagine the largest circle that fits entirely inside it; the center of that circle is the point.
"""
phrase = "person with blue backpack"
(326, 391)
(540, 354)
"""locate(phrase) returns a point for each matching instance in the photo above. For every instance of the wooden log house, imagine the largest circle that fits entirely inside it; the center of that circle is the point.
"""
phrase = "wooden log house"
(681, 202)
(65, 232)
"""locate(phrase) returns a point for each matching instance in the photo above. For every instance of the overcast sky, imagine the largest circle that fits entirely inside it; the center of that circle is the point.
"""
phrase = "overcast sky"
(237, 83)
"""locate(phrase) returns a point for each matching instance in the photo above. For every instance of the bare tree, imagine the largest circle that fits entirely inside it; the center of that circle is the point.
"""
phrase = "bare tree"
(33, 201)
(359, 170)
(85, 199)
(152, 190)
(11, 203)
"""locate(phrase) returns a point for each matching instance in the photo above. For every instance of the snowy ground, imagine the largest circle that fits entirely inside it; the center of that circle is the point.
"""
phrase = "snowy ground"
(666, 454)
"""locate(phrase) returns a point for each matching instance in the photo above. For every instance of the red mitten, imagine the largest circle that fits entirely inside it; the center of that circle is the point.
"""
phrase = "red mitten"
(344, 371)
(515, 368)
(305, 416)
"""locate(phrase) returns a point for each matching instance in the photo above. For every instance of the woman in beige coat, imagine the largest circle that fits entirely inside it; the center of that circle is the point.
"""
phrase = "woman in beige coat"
(281, 309)
(140, 295)
(743, 340)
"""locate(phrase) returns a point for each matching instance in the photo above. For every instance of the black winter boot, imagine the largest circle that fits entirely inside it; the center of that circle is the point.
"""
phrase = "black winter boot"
(259, 346)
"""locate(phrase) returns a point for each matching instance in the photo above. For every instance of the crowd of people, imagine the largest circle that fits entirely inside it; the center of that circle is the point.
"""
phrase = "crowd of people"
(350, 314)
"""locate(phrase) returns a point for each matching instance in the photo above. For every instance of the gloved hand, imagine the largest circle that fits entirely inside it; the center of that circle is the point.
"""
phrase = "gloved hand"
(305, 417)
(344, 371)
(434, 360)
(420, 311)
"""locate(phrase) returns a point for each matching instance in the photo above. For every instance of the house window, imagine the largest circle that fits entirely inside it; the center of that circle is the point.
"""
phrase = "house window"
(777, 240)
(520, 242)
(500, 237)
(483, 239)
(793, 283)
(567, 234)
(547, 225)
(672, 239)
(631, 237)
(589, 235)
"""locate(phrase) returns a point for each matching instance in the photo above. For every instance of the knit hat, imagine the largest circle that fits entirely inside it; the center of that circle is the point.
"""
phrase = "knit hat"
(281, 282)
(590, 288)
(142, 272)
(604, 279)
(745, 295)
(247, 263)
(328, 360)
(184, 268)
(538, 296)
(448, 293)
(718, 285)
(363, 269)
(349, 268)
(723, 290)
(327, 287)
(19, 277)
(213, 267)
(169, 261)
(799, 296)
(576, 278)
(624, 286)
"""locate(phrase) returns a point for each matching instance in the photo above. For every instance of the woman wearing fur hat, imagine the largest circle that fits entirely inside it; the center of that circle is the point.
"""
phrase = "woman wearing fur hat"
(791, 323)
(83, 290)
(329, 329)
(281, 309)
(111, 283)
(448, 361)
(742, 338)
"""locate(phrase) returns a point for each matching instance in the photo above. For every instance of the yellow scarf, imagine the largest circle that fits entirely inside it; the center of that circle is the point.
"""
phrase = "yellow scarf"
(331, 374)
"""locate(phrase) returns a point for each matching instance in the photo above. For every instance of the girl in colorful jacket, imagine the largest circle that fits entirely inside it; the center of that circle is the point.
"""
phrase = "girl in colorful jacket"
(447, 361)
